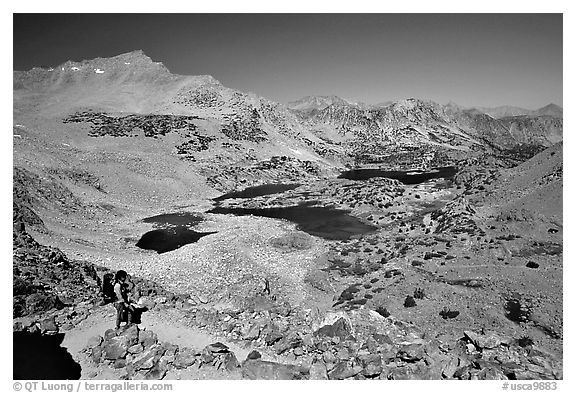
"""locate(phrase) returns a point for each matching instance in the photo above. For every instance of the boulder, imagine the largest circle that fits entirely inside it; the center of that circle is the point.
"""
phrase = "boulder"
(136, 348)
(97, 354)
(463, 373)
(411, 352)
(450, 367)
(343, 353)
(115, 348)
(344, 369)
(260, 369)
(230, 362)
(108, 334)
(318, 370)
(147, 338)
(207, 357)
(94, 341)
(329, 357)
(308, 340)
(24, 323)
(158, 371)
(119, 363)
(491, 373)
(341, 328)
(254, 355)
(185, 358)
(400, 373)
(169, 349)
(289, 342)
(217, 347)
(49, 326)
(273, 337)
(544, 372)
(370, 345)
(372, 365)
(489, 340)
(382, 339)
(252, 332)
(510, 368)
(148, 358)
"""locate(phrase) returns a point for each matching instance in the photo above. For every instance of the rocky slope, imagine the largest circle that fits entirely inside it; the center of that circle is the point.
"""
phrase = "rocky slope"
(452, 278)
(130, 91)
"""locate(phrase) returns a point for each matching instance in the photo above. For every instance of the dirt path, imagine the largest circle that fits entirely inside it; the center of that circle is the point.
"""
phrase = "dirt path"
(168, 326)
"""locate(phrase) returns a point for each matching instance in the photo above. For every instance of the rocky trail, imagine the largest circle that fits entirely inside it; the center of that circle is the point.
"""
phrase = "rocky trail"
(166, 324)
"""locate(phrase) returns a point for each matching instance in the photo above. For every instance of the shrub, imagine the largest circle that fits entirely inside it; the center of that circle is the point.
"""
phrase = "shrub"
(419, 293)
(409, 301)
(382, 311)
(525, 341)
(447, 313)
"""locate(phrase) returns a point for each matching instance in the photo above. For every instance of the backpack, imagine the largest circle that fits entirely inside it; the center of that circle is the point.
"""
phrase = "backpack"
(108, 288)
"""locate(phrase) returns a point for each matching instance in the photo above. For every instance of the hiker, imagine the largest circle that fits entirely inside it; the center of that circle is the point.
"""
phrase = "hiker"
(122, 301)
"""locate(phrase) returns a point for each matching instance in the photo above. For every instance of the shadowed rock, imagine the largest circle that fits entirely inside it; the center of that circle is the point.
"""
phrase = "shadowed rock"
(39, 356)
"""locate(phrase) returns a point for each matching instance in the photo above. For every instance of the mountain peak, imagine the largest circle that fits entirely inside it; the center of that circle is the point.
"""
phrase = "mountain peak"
(136, 56)
(316, 102)
(136, 60)
(134, 66)
(550, 110)
(551, 106)
(412, 103)
(130, 80)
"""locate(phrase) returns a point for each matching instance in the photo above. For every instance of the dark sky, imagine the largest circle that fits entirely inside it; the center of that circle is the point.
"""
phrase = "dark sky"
(470, 59)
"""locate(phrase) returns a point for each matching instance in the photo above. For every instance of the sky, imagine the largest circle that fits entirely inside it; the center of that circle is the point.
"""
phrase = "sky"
(469, 59)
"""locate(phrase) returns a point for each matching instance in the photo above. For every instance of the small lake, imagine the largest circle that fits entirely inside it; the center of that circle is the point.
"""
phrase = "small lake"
(174, 219)
(329, 223)
(169, 239)
(256, 191)
(325, 222)
(405, 177)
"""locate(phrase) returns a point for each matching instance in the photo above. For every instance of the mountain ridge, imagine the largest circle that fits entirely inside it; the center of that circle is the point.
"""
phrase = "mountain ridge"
(509, 111)
(442, 123)
(315, 127)
(310, 102)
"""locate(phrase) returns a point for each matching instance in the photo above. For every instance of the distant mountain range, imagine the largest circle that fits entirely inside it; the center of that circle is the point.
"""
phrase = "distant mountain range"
(325, 129)
(311, 103)
(315, 103)
(507, 111)
(413, 122)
